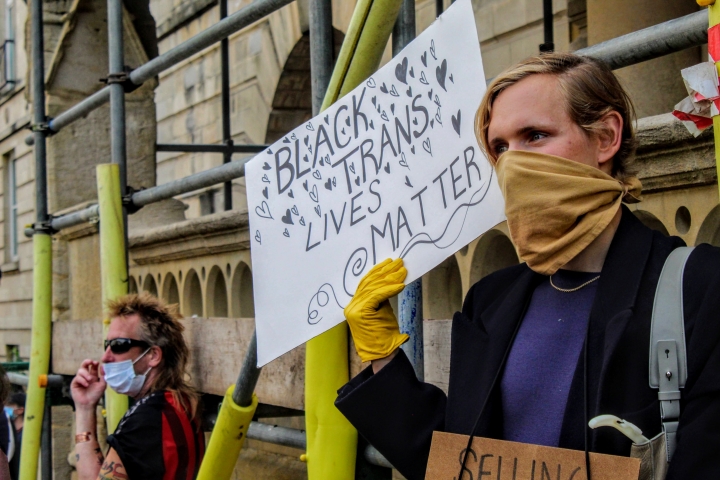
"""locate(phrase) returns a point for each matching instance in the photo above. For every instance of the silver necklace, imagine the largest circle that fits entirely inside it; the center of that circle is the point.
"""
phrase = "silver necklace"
(570, 290)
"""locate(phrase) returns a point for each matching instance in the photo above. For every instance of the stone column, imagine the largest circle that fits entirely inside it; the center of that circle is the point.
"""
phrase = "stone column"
(654, 86)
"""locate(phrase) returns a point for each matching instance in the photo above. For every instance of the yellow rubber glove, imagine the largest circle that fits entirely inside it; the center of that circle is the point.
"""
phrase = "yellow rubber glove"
(372, 322)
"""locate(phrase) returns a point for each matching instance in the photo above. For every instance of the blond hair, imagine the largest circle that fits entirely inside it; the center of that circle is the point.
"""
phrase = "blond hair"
(160, 326)
(590, 90)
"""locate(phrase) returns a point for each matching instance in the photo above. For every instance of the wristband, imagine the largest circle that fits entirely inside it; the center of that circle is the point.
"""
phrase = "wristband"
(83, 437)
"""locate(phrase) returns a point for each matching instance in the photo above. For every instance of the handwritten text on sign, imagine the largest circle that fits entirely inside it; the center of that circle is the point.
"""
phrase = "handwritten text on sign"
(502, 460)
(393, 169)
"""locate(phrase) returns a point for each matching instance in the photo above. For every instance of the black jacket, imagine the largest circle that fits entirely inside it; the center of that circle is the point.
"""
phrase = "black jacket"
(397, 414)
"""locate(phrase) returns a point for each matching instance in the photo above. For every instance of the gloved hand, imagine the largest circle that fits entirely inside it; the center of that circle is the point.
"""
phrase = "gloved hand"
(372, 322)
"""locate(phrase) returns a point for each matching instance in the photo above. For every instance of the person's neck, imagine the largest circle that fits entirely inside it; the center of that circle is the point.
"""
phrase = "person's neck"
(18, 421)
(593, 257)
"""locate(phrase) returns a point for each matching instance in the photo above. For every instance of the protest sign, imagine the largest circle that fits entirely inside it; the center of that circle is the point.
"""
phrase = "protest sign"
(392, 169)
(502, 460)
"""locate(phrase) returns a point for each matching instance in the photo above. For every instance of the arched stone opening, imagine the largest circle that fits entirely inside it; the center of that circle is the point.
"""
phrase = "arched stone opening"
(149, 285)
(651, 221)
(444, 293)
(217, 299)
(710, 228)
(192, 295)
(243, 302)
(494, 251)
(132, 285)
(171, 292)
(292, 103)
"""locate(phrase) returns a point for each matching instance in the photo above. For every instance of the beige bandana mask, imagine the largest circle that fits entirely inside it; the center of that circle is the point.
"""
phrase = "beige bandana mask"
(556, 207)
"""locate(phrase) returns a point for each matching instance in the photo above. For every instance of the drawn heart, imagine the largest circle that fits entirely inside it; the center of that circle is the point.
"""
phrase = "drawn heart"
(317, 175)
(423, 59)
(401, 70)
(310, 148)
(291, 194)
(317, 210)
(379, 109)
(430, 94)
(357, 181)
(322, 162)
(328, 184)
(306, 140)
(412, 149)
(409, 92)
(392, 108)
(286, 233)
(342, 131)
(293, 137)
(286, 140)
(394, 92)
(426, 146)
(384, 116)
(437, 101)
(265, 179)
(451, 78)
(352, 167)
(305, 185)
(302, 221)
(407, 181)
(257, 237)
(314, 194)
(432, 49)
(432, 123)
(287, 218)
(306, 159)
(372, 125)
(265, 192)
(370, 83)
(310, 127)
(266, 166)
(387, 167)
(415, 122)
(403, 161)
(294, 210)
(334, 182)
(437, 116)
(440, 73)
(347, 121)
(456, 122)
(383, 88)
(423, 79)
(374, 100)
(327, 119)
(263, 210)
(412, 72)
(268, 151)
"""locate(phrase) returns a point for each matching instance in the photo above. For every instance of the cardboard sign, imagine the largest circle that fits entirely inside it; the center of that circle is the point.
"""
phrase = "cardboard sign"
(500, 460)
(393, 169)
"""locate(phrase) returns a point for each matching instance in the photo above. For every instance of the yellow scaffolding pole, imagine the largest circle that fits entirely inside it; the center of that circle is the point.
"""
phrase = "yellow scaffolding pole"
(39, 354)
(331, 440)
(112, 265)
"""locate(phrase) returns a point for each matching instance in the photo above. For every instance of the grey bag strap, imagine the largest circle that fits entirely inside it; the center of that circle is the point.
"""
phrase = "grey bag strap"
(668, 357)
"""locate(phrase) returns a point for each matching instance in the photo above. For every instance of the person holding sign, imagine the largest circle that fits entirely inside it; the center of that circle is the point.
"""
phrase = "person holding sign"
(540, 348)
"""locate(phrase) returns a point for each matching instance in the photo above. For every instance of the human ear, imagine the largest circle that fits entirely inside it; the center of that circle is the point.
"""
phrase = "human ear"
(155, 355)
(609, 139)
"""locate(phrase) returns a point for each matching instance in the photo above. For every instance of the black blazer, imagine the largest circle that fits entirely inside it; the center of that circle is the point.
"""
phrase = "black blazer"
(397, 414)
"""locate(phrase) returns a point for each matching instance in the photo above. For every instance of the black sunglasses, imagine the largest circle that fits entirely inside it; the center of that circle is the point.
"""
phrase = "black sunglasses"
(123, 345)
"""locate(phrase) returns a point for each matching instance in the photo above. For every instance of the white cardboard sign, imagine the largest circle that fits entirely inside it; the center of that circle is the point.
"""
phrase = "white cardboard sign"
(392, 169)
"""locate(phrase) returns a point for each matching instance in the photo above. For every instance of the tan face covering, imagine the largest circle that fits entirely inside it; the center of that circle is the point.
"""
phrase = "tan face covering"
(556, 207)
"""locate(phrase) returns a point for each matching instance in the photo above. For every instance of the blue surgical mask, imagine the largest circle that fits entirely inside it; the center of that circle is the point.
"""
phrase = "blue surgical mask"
(10, 412)
(121, 376)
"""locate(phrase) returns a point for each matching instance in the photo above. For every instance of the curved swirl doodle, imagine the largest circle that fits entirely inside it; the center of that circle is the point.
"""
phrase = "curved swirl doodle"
(356, 265)
(423, 238)
(320, 300)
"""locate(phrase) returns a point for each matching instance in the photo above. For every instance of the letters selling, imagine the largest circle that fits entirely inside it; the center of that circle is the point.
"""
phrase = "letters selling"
(393, 169)
(501, 460)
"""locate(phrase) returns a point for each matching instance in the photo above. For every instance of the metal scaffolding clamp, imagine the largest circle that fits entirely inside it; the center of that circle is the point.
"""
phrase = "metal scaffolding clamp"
(123, 78)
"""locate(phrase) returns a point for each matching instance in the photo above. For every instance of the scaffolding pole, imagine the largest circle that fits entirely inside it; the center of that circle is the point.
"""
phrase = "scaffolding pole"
(42, 263)
(410, 314)
(225, 102)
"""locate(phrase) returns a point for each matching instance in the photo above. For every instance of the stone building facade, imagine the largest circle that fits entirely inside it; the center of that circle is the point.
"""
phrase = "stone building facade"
(190, 252)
